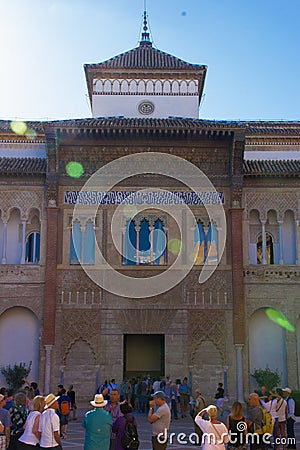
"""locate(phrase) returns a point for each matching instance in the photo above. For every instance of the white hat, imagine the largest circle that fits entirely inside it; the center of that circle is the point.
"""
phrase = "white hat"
(287, 390)
(50, 399)
(98, 401)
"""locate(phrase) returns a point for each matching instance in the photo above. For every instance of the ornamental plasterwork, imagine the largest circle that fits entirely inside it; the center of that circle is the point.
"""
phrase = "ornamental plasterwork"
(263, 202)
(141, 321)
(77, 325)
(207, 326)
(112, 86)
(219, 280)
(24, 201)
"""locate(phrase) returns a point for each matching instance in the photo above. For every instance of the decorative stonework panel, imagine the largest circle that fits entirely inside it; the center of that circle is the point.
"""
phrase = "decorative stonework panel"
(141, 321)
(24, 201)
(279, 201)
(77, 325)
(207, 326)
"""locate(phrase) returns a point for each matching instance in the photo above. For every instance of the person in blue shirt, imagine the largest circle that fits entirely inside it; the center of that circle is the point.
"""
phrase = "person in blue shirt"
(98, 424)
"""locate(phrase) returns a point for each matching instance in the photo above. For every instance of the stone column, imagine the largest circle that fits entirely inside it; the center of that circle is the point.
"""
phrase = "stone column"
(62, 375)
(23, 242)
(48, 350)
(4, 242)
(137, 252)
(239, 372)
(297, 239)
(263, 240)
(280, 222)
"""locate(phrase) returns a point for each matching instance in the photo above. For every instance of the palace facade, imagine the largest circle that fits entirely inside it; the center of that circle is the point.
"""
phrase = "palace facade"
(55, 308)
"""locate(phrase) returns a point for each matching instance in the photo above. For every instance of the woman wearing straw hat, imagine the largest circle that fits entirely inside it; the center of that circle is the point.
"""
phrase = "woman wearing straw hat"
(97, 423)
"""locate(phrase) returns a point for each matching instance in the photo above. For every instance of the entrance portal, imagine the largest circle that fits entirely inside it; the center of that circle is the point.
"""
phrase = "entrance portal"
(144, 354)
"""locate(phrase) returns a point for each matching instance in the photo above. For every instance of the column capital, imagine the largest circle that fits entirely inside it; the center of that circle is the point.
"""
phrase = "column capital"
(239, 347)
(48, 347)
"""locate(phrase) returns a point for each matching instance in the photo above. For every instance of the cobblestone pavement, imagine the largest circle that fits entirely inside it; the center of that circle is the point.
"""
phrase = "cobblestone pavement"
(75, 437)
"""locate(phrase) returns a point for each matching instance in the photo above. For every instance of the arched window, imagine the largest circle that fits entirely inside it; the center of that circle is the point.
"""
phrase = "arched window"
(82, 243)
(75, 243)
(89, 244)
(205, 244)
(33, 248)
(269, 249)
(143, 246)
(159, 244)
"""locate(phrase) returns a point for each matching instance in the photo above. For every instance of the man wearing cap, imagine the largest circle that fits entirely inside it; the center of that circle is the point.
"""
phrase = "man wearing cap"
(290, 423)
(49, 425)
(160, 420)
(6, 423)
(97, 423)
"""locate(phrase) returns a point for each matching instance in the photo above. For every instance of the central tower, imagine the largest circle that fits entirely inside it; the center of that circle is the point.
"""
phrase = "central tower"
(145, 82)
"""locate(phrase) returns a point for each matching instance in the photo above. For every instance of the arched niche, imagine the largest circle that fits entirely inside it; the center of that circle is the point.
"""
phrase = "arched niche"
(116, 86)
(141, 87)
(19, 330)
(254, 230)
(124, 86)
(107, 86)
(14, 237)
(267, 345)
(289, 238)
(149, 87)
(192, 87)
(167, 87)
(98, 86)
(79, 370)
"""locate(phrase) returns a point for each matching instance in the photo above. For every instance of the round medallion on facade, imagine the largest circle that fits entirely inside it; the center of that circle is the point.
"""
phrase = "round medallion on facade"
(146, 107)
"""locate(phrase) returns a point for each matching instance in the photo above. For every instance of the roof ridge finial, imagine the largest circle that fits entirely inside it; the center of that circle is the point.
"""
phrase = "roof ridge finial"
(145, 34)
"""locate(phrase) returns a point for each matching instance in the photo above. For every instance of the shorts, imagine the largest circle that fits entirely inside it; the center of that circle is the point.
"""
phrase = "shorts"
(2, 442)
(220, 402)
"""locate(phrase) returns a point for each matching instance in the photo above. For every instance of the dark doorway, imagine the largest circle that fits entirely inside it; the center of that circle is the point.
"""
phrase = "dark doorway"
(144, 354)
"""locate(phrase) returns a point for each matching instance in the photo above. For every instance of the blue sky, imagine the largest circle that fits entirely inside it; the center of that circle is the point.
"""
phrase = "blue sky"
(251, 48)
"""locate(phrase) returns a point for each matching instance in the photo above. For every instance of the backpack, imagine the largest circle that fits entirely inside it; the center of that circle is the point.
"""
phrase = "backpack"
(65, 408)
(130, 438)
(267, 423)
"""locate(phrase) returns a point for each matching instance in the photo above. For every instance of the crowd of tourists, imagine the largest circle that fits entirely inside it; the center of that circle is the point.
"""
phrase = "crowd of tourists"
(30, 420)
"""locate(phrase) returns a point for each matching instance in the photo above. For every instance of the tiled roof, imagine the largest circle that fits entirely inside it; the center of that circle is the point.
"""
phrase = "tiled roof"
(24, 166)
(34, 125)
(145, 57)
(271, 168)
(140, 123)
(275, 128)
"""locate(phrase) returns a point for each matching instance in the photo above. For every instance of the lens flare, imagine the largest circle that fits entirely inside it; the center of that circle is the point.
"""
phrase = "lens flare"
(31, 134)
(279, 318)
(174, 246)
(74, 169)
(18, 127)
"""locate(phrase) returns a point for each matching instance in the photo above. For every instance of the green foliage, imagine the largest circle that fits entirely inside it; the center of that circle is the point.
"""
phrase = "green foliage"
(15, 375)
(265, 377)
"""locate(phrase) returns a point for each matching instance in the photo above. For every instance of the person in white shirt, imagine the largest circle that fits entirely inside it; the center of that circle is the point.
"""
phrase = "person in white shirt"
(281, 410)
(215, 433)
(49, 425)
(31, 436)
(290, 423)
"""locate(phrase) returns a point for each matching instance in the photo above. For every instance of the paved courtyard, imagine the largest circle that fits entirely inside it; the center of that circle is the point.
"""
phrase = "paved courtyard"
(76, 433)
